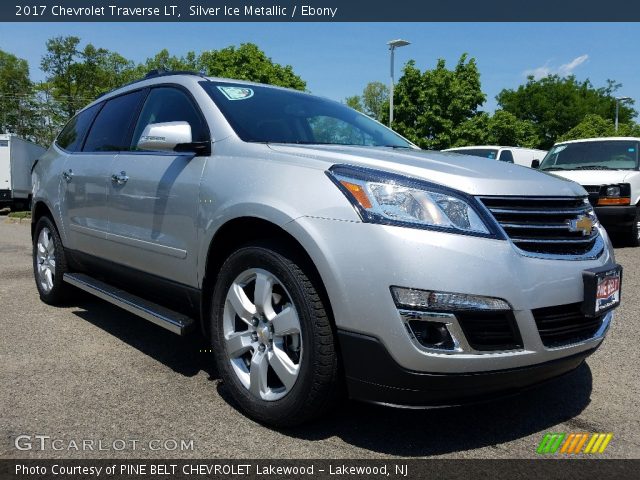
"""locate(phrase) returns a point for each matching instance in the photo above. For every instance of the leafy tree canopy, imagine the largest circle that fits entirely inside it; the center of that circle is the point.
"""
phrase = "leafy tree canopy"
(248, 62)
(593, 126)
(15, 95)
(430, 105)
(557, 104)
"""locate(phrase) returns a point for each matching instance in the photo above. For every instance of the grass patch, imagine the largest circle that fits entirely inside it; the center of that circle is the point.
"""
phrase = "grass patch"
(20, 215)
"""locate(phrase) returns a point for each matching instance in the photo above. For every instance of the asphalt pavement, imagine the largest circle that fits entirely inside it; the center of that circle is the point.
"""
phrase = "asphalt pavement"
(91, 375)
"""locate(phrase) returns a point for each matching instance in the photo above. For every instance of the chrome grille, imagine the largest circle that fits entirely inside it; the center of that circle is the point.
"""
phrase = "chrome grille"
(546, 225)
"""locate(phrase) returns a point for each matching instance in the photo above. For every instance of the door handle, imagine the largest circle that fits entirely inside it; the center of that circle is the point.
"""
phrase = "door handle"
(67, 175)
(120, 178)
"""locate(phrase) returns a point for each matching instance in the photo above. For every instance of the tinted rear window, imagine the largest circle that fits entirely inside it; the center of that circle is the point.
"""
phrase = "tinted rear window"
(73, 133)
(112, 127)
(478, 152)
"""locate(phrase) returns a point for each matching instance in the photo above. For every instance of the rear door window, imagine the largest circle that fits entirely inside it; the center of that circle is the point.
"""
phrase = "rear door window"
(112, 128)
(75, 130)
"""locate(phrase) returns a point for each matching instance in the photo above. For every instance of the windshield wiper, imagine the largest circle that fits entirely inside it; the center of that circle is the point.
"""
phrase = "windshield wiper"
(399, 147)
(548, 169)
(593, 167)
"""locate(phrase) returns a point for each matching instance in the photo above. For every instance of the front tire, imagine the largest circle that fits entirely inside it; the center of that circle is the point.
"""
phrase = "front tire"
(49, 262)
(274, 344)
(634, 234)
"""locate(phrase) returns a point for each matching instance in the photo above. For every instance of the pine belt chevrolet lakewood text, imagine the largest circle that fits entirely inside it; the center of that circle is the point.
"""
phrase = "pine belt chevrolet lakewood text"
(319, 251)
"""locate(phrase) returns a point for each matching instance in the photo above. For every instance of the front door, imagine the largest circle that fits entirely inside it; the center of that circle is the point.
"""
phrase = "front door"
(153, 196)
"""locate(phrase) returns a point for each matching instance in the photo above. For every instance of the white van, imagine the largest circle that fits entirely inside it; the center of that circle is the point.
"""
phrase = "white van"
(608, 169)
(517, 155)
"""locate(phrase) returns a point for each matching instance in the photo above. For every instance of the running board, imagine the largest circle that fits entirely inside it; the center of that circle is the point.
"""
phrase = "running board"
(172, 321)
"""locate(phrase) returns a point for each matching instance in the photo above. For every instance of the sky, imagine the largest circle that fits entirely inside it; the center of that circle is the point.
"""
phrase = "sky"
(338, 59)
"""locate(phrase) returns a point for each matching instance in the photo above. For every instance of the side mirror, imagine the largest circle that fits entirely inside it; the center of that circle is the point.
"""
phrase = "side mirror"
(164, 136)
(535, 163)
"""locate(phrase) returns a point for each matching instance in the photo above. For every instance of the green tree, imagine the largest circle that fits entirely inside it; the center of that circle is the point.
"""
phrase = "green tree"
(431, 106)
(375, 100)
(557, 104)
(163, 60)
(248, 62)
(60, 63)
(506, 129)
(355, 102)
(76, 76)
(16, 100)
(593, 126)
(501, 128)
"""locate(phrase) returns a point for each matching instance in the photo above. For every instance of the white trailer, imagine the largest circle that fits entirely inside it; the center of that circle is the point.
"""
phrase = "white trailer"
(16, 159)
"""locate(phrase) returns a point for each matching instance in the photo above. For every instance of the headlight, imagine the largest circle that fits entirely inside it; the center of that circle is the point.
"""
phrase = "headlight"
(618, 194)
(613, 191)
(396, 200)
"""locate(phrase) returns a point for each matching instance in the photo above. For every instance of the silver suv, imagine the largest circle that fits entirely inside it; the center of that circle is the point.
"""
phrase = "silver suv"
(318, 251)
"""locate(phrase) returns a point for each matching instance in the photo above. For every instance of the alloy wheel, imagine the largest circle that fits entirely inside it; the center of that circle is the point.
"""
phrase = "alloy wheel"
(46, 260)
(262, 334)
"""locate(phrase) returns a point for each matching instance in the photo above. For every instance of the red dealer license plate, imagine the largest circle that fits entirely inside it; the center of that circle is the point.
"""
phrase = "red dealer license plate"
(602, 290)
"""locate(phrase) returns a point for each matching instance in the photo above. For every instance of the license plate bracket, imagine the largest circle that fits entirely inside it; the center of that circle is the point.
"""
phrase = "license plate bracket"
(602, 289)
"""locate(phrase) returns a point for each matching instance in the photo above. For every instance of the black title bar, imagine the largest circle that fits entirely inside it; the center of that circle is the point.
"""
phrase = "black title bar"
(316, 11)
(393, 469)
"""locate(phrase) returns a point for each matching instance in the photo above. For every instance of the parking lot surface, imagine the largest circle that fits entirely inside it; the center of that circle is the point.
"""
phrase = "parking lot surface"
(90, 372)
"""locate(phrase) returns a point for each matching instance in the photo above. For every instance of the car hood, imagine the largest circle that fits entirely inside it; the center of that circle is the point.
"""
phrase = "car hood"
(473, 175)
(595, 177)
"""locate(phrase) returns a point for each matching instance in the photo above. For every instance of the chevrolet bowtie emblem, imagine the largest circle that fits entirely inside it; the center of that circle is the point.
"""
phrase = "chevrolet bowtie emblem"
(583, 224)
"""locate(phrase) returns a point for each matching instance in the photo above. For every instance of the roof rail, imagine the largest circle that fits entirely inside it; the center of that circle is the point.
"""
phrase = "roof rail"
(159, 72)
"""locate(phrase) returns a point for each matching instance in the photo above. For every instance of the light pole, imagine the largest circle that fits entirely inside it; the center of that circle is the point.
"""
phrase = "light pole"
(618, 100)
(393, 44)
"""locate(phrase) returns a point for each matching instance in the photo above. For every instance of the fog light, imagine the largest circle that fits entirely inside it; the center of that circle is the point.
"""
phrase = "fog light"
(445, 301)
(432, 334)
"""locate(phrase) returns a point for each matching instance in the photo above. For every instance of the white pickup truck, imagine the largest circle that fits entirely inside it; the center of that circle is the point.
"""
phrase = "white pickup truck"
(608, 170)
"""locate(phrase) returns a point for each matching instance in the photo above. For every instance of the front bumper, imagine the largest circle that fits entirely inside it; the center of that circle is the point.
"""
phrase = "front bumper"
(380, 379)
(358, 262)
(617, 218)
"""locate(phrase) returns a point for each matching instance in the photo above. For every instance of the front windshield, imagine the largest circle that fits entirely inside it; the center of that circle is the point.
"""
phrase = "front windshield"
(264, 114)
(490, 153)
(600, 155)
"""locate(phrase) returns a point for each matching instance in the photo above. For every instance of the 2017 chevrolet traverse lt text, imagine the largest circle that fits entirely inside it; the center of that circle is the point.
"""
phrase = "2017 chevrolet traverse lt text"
(319, 251)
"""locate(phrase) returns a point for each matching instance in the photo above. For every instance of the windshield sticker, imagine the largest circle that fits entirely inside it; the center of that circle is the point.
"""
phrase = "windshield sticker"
(631, 150)
(236, 93)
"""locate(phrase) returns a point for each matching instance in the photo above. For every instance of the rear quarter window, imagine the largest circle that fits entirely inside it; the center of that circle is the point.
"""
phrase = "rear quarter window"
(73, 133)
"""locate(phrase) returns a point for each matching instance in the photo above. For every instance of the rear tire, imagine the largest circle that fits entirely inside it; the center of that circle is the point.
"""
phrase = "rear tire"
(49, 262)
(274, 343)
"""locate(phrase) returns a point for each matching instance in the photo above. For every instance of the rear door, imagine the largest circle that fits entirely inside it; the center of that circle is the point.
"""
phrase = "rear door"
(83, 190)
(85, 178)
(153, 209)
